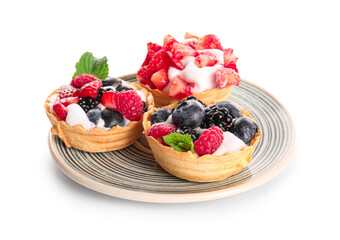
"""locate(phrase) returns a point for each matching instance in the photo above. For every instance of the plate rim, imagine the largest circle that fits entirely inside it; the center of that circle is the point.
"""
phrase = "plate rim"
(178, 197)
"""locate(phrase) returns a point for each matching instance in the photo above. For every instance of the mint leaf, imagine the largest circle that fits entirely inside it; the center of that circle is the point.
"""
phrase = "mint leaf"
(91, 65)
(181, 143)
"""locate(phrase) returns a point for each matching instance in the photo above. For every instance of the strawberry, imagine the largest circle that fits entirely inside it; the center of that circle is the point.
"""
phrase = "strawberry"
(159, 60)
(180, 88)
(109, 100)
(209, 42)
(130, 105)
(69, 100)
(160, 79)
(60, 111)
(209, 141)
(176, 63)
(205, 59)
(168, 38)
(226, 77)
(180, 50)
(231, 65)
(144, 75)
(229, 56)
(90, 89)
(152, 49)
(69, 92)
(189, 35)
(158, 131)
(82, 79)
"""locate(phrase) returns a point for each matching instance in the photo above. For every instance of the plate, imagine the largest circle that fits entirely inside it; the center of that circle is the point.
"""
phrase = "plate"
(132, 173)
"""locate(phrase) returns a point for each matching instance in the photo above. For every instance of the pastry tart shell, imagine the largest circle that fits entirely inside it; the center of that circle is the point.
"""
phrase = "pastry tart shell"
(207, 168)
(98, 139)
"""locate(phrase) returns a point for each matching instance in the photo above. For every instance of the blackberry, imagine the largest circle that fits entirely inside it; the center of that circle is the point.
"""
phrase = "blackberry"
(216, 116)
(191, 132)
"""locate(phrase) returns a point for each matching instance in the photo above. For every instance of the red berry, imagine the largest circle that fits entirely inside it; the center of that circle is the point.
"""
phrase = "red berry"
(226, 77)
(130, 104)
(69, 92)
(152, 49)
(69, 100)
(168, 38)
(82, 79)
(60, 110)
(180, 88)
(189, 36)
(209, 42)
(90, 89)
(229, 56)
(158, 131)
(109, 100)
(160, 79)
(209, 141)
(179, 50)
(160, 60)
(144, 75)
(205, 59)
(231, 65)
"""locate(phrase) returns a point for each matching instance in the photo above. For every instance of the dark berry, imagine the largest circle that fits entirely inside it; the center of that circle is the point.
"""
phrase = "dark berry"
(88, 103)
(191, 97)
(244, 128)
(122, 87)
(145, 108)
(233, 109)
(112, 118)
(188, 113)
(94, 115)
(191, 132)
(215, 116)
(161, 115)
(112, 82)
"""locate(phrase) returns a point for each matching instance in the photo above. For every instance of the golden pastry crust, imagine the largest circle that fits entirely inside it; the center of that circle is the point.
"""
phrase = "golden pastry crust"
(98, 139)
(209, 96)
(207, 168)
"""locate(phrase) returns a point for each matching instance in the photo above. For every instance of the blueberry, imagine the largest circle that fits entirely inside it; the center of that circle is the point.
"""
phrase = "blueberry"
(112, 118)
(112, 82)
(233, 109)
(244, 128)
(94, 115)
(122, 87)
(161, 115)
(188, 113)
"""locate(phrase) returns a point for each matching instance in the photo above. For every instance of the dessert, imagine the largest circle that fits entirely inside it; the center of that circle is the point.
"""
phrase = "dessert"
(97, 115)
(197, 66)
(201, 143)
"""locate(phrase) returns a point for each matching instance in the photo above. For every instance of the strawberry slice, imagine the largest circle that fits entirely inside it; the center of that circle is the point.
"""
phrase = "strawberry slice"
(90, 89)
(144, 75)
(176, 63)
(69, 92)
(82, 79)
(189, 36)
(226, 77)
(180, 88)
(160, 79)
(109, 100)
(60, 111)
(231, 65)
(209, 42)
(69, 100)
(160, 60)
(152, 49)
(168, 38)
(229, 56)
(205, 59)
(180, 50)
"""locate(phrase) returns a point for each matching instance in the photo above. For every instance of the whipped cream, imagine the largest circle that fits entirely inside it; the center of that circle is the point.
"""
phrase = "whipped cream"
(230, 143)
(77, 116)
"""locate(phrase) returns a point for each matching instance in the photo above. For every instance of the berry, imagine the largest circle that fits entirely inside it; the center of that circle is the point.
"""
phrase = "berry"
(130, 104)
(60, 111)
(145, 108)
(168, 38)
(160, 79)
(69, 100)
(233, 109)
(209, 42)
(144, 75)
(112, 118)
(123, 87)
(244, 128)
(90, 89)
(229, 56)
(231, 65)
(188, 113)
(209, 141)
(88, 103)
(180, 88)
(205, 59)
(226, 77)
(94, 115)
(69, 92)
(159, 130)
(82, 79)
(194, 134)
(189, 36)
(112, 82)
(161, 115)
(152, 49)
(216, 116)
(109, 100)
(179, 50)
(159, 60)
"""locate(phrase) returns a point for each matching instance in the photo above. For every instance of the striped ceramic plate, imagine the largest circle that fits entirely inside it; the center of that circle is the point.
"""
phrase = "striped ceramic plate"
(132, 173)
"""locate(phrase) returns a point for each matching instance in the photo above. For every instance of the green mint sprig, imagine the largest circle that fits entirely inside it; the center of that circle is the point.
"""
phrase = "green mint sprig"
(181, 143)
(91, 65)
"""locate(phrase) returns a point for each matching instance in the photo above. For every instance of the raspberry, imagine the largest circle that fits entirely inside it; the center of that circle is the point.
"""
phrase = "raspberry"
(69, 92)
(82, 79)
(130, 104)
(209, 141)
(158, 131)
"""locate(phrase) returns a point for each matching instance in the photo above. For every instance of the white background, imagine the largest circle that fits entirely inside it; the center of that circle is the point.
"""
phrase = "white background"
(290, 48)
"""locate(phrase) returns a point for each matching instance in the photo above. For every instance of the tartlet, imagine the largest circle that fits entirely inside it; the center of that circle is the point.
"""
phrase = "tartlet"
(206, 168)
